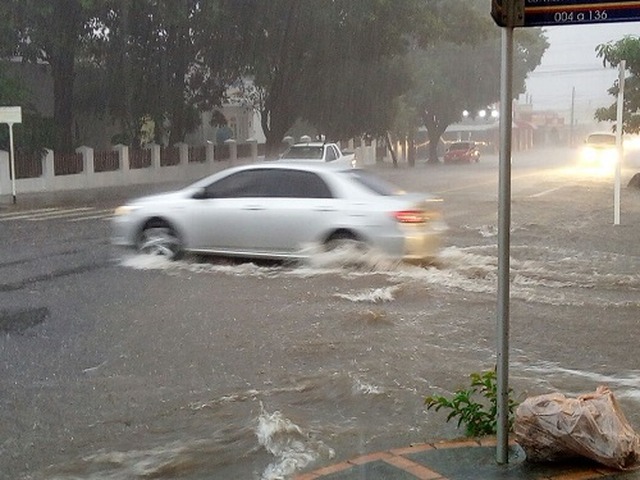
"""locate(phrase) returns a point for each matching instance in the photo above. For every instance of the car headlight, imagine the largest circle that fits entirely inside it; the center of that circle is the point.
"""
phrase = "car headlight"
(610, 156)
(124, 210)
(589, 154)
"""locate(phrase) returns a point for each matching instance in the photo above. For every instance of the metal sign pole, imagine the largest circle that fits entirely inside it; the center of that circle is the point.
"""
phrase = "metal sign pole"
(13, 164)
(11, 115)
(620, 147)
(504, 227)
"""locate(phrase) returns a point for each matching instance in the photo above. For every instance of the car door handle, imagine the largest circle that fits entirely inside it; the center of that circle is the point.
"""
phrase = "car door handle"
(324, 209)
(253, 207)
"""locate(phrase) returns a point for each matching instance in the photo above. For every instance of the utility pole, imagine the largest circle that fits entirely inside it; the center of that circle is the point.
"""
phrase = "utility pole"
(572, 116)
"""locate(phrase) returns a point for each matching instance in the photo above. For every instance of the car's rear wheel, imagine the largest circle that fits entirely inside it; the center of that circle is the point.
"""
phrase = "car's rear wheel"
(158, 238)
(345, 241)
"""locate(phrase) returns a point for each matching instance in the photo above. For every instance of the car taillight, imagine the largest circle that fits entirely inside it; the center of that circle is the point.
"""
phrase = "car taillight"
(411, 216)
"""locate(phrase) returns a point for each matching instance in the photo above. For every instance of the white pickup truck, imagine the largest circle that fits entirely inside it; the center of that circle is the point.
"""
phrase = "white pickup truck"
(319, 152)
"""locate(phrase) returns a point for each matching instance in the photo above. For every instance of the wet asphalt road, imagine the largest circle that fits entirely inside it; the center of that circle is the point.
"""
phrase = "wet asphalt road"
(116, 368)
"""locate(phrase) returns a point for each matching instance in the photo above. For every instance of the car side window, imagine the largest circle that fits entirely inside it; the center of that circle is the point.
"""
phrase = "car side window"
(308, 185)
(293, 184)
(331, 154)
(269, 183)
(239, 184)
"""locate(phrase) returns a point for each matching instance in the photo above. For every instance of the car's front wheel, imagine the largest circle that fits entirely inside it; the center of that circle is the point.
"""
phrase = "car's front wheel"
(160, 239)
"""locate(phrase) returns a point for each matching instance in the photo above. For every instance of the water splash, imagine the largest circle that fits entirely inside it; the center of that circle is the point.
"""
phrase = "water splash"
(544, 275)
(289, 444)
(376, 295)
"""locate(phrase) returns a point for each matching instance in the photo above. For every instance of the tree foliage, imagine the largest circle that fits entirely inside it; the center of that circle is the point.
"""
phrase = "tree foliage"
(35, 132)
(166, 61)
(612, 53)
(50, 32)
(334, 64)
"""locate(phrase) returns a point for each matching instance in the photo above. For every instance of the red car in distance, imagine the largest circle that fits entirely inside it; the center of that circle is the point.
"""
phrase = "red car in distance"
(459, 152)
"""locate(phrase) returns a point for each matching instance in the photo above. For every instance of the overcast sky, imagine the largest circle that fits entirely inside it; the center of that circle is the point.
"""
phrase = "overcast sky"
(571, 62)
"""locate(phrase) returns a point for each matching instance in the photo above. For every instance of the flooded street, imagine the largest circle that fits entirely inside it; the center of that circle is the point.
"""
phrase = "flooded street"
(206, 368)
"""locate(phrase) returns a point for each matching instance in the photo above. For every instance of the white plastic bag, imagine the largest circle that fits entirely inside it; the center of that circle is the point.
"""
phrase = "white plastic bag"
(553, 427)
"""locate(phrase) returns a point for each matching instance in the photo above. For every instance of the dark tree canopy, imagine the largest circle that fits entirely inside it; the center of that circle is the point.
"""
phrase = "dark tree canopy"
(50, 32)
(334, 64)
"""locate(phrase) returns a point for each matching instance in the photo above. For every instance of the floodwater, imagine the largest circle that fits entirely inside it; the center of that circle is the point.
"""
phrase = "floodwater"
(273, 431)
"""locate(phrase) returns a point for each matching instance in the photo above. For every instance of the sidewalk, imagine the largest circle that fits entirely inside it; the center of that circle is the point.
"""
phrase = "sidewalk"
(460, 460)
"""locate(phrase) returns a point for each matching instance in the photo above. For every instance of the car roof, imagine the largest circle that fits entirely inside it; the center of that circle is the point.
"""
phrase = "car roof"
(301, 165)
(309, 144)
(318, 167)
(601, 137)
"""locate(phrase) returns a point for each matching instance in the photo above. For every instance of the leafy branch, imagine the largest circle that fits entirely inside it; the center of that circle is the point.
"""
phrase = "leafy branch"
(478, 417)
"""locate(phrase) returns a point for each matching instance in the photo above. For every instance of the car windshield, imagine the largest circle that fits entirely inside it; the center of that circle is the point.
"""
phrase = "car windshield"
(602, 139)
(304, 151)
(373, 183)
(460, 146)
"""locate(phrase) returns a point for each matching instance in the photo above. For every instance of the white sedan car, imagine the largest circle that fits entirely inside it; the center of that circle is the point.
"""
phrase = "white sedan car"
(278, 210)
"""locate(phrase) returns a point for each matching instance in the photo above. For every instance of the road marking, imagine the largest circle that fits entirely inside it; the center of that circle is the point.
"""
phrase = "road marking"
(13, 215)
(64, 213)
(106, 215)
(540, 194)
(67, 214)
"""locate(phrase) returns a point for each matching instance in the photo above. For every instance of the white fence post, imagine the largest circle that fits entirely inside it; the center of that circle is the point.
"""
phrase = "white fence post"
(155, 155)
(124, 165)
(254, 149)
(233, 150)
(210, 153)
(88, 164)
(48, 171)
(183, 152)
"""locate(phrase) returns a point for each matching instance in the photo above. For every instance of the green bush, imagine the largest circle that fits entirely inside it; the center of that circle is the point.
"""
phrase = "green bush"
(478, 416)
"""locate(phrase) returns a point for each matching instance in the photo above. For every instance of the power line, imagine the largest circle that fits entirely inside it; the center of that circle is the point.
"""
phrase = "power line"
(568, 71)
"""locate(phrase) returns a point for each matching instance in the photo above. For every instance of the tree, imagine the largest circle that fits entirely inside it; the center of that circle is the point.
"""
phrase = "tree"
(612, 53)
(335, 64)
(34, 134)
(51, 32)
(450, 78)
(166, 61)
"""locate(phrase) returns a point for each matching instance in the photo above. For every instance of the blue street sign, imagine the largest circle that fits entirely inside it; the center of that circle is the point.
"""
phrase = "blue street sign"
(539, 13)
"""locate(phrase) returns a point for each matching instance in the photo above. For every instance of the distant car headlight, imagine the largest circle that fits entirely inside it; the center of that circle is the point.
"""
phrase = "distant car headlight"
(610, 156)
(589, 154)
(124, 210)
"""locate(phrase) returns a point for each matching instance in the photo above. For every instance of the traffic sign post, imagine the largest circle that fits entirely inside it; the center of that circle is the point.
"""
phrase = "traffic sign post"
(508, 13)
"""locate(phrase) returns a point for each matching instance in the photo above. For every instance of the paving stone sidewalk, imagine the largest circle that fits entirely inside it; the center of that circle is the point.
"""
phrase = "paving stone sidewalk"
(460, 460)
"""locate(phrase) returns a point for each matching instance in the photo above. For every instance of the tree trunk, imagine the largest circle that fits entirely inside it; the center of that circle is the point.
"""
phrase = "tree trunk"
(274, 126)
(434, 132)
(66, 16)
(391, 150)
(176, 84)
(411, 150)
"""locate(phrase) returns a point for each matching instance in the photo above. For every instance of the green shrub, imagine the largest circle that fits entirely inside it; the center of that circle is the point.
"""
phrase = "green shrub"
(478, 417)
